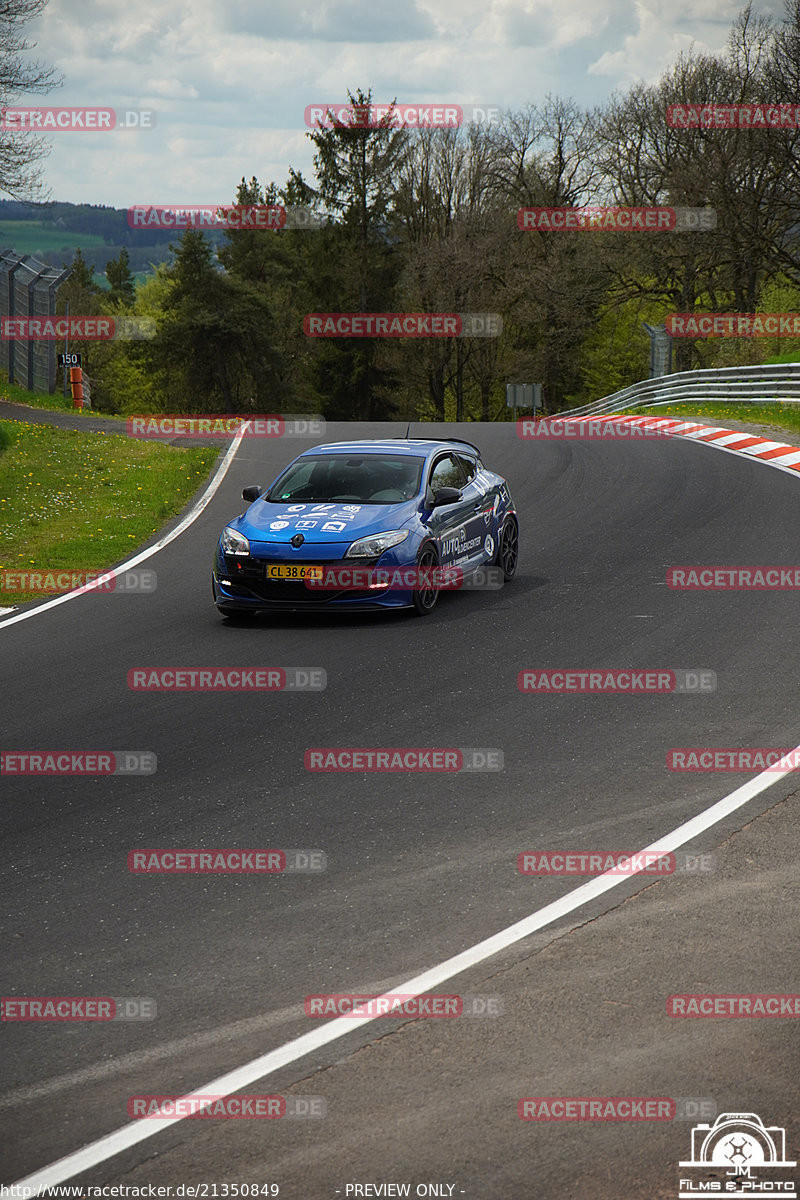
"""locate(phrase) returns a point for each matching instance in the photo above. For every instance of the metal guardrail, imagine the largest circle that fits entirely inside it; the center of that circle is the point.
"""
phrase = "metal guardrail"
(760, 384)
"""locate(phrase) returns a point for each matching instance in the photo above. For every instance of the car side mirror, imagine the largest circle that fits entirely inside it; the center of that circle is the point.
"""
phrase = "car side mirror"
(251, 493)
(445, 495)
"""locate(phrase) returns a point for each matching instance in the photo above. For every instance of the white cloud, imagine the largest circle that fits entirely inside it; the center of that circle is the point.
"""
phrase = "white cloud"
(171, 89)
(230, 81)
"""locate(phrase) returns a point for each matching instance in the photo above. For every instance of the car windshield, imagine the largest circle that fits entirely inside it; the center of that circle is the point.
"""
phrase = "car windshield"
(370, 479)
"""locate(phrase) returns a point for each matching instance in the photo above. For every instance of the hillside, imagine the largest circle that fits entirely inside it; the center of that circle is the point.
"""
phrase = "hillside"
(53, 232)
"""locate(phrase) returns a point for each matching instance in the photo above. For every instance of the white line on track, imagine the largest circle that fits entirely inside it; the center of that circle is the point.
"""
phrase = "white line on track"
(225, 1085)
(188, 520)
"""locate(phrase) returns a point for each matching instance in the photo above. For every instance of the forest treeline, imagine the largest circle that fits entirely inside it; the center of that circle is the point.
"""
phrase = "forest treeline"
(427, 221)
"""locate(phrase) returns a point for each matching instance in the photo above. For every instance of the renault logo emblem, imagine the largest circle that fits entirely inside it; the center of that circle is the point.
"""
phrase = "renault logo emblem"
(298, 540)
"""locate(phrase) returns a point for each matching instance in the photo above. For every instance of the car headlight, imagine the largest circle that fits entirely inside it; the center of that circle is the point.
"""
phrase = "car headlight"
(371, 547)
(234, 542)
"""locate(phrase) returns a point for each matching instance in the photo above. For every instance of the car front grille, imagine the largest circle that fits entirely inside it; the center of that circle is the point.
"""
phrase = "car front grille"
(250, 574)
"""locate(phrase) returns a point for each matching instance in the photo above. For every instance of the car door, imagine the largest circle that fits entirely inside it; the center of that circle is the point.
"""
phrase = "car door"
(480, 535)
(451, 524)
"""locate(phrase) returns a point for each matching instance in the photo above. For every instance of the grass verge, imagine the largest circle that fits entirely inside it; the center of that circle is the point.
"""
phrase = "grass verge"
(784, 416)
(84, 501)
(57, 402)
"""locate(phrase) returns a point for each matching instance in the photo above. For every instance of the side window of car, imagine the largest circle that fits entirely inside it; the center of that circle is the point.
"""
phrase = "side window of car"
(468, 465)
(446, 473)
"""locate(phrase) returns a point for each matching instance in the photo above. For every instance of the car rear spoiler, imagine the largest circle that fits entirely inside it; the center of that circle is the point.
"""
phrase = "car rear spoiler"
(458, 441)
(463, 442)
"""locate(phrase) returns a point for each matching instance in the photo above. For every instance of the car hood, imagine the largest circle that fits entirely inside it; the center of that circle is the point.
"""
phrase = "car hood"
(318, 523)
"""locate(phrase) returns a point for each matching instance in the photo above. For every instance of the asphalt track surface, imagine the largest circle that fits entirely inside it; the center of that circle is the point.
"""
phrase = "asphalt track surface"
(419, 867)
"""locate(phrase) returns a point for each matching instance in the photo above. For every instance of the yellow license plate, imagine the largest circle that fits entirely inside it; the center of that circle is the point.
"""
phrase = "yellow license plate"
(297, 571)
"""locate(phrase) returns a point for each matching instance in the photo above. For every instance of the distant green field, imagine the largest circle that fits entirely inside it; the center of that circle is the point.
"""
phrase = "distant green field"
(32, 237)
(28, 237)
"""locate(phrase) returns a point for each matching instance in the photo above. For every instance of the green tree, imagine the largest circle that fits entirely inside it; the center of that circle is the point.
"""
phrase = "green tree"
(118, 273)
(81, 274)
(353, 262)
(273, 261)
(749, 177)
(80, 296)
(214, 346)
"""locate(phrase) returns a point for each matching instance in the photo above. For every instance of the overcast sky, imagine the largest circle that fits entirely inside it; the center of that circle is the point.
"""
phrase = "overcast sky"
(230, 80)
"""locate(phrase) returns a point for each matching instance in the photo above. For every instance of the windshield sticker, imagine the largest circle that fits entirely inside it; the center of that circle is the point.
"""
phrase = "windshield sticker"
(306, 516)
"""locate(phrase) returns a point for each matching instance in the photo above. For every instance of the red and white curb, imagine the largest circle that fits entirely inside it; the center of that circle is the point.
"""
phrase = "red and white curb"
(774, 454)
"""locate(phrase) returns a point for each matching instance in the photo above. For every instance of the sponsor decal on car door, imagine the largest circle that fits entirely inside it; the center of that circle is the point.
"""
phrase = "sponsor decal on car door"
(459, 527)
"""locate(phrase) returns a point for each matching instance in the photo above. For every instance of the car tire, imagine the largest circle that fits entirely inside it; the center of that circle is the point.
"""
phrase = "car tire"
(507, 555)
(423, 600)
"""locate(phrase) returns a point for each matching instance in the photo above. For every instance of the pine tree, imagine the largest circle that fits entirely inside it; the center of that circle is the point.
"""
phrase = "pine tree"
(118, 274)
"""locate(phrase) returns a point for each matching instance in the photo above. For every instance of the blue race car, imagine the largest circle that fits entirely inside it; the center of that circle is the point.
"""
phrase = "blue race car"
(368, 525)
